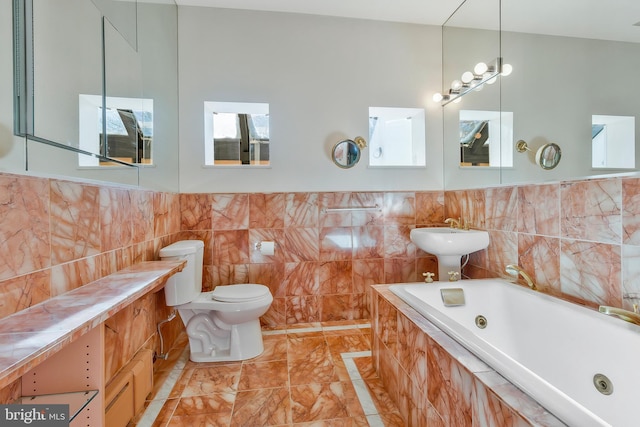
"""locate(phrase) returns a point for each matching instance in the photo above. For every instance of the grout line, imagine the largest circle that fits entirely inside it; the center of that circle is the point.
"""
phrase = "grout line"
(366, 402)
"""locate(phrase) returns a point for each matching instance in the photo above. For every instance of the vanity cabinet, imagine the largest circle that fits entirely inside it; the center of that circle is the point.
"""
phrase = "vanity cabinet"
(56, 349)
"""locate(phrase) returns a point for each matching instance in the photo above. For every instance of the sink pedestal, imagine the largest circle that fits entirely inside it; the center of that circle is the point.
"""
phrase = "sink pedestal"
(449, 245)
(447, 263)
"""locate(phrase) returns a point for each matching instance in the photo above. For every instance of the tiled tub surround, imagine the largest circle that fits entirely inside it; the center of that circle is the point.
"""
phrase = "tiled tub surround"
(579, 240)
(434, 381)
(527, 336)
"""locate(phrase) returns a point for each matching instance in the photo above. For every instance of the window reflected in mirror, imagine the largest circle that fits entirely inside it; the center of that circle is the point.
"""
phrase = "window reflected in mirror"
(123, 131)
(236, 134)
(486, 138)
(396, 136)
(613, 142)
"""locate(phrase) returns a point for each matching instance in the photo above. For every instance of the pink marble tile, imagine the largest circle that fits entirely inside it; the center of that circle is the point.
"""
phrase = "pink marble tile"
(336, 307)
(230, 247)
(301, 210)
(24, 291)
(271, 275)
(502, 250)
(166, 213)
(591, 271)
(115, 218)
(318, 401)
(266, 210)
(368, 242)
(301, 244)
(449, 387)
(336, 277)
(412, 351)
(75, 221)
(24, 229)
(430, 208)
(332, 201)
(301, 278)
(539, 209)
(591, 210)
(501, 208)
(397, 243)
(196, 211)
(630, 274)
(72, 275)
(631, 211)
(367, 273)
(262, 407)
(335, 243)
(399, 270)
(230, 211)
(466, 204)
(227, 274)
(141, 215)
(399, 208)
(539, 256)
(367, 217)
(302, 309)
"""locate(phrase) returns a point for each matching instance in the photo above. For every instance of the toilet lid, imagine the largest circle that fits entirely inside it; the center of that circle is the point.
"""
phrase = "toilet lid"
(236, 293)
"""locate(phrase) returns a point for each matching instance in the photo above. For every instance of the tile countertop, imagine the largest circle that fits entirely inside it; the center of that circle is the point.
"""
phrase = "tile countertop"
(30, 336)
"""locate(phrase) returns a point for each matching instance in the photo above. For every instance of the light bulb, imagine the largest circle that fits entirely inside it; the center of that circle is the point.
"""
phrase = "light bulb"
(492, 80)
(506, 69)
(456, 85)
(457, 100)
(437, 97)
(467, 77)
(480, 68)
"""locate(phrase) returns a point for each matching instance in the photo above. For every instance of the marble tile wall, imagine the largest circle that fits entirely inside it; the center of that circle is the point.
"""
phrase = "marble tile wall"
(579, 240)
(324, 260)
(57, 235)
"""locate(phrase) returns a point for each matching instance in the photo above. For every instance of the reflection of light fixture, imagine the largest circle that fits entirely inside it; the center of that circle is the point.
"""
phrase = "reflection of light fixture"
(480, 68)
(482, 73)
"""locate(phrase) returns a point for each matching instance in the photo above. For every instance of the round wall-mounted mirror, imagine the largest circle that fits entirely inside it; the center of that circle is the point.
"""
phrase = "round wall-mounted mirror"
(548, 156)
(346, 153)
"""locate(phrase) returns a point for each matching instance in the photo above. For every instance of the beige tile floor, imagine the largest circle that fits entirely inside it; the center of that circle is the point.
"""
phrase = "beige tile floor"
(308, 375)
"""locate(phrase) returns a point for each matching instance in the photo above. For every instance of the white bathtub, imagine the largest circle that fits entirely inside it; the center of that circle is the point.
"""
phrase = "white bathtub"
(549, 348)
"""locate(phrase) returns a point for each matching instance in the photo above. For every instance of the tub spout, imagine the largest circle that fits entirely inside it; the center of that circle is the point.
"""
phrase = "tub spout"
(626, 315)
(511, 269)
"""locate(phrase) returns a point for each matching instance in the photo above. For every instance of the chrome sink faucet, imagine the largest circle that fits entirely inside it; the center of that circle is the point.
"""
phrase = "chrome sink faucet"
(511, 269)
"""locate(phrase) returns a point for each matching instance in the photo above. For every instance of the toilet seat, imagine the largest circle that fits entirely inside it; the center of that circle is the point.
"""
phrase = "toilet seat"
(239, 293)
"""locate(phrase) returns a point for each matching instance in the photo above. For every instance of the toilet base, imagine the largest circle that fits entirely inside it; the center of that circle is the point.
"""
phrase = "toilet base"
(245, 343)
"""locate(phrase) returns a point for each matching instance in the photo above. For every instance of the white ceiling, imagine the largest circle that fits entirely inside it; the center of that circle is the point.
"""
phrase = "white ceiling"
(604, 19)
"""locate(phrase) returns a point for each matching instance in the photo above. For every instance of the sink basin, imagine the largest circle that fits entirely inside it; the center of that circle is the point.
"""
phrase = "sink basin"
(449, 245)
(449, 241)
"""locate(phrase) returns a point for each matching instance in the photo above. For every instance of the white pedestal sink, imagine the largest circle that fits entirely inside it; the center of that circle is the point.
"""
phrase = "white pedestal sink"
(449, 245)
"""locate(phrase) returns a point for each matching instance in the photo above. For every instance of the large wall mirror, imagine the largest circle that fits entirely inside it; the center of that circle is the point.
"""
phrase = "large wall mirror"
(97, 85)
(573, 84)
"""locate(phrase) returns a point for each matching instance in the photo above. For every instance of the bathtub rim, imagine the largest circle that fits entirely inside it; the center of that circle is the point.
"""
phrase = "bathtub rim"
(496, 360)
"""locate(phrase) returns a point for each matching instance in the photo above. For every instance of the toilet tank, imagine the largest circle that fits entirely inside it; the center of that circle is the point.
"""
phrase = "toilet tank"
(185, 286)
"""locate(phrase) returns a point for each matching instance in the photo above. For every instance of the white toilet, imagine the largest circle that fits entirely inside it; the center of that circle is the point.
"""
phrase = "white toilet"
(222, 324)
